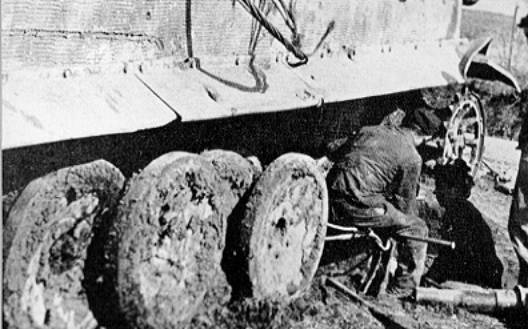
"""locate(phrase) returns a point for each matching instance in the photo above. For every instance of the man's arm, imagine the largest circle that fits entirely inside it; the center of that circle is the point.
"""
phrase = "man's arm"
(406, 190)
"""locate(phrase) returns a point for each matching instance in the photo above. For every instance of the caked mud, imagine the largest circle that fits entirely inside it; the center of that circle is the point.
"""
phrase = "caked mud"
(48, 235)
(171, 229)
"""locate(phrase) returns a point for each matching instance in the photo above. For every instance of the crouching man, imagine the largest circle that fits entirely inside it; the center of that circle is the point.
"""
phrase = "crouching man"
(474, 260)
(373, 184)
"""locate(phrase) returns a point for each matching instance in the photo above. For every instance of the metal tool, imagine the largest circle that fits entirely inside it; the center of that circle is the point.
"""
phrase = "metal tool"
(389, 319)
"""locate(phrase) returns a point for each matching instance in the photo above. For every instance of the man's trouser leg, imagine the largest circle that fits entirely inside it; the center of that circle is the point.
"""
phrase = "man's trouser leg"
(411, 253)
(518, 223)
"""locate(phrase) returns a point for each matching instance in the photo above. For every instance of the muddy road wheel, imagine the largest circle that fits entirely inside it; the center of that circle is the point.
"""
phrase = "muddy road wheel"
(238, 172)
(284, 227)
(157, 165)
(17, 208)
(171, 229)
(53, 226)
(466, 129)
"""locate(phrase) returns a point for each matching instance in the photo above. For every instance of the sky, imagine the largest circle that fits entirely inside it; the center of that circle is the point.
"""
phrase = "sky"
(505, 7)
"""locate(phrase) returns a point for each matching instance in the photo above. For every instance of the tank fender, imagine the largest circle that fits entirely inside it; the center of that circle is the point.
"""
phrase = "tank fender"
(475, 64)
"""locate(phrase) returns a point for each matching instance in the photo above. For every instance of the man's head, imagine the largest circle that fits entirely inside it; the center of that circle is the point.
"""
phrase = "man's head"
(453, 181)
(523, 24)
(423, 123)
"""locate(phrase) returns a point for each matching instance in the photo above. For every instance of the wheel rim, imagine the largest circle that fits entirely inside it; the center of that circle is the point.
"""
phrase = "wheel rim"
(465, 133)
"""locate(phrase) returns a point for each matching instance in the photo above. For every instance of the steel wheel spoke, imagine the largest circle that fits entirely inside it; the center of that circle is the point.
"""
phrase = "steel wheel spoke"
(465, 132)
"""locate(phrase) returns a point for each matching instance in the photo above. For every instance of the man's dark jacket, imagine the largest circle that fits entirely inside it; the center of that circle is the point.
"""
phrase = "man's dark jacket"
(377, 165)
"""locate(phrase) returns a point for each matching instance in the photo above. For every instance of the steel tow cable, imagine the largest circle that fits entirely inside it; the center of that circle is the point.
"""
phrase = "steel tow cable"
(262, 19)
